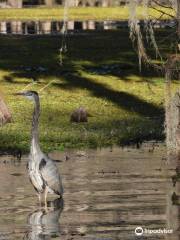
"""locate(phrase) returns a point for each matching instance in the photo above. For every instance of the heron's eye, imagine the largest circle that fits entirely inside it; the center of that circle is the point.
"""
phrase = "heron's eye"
(29, 95)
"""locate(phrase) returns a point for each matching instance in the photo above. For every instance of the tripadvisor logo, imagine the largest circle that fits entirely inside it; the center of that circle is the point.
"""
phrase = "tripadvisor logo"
(139, 231)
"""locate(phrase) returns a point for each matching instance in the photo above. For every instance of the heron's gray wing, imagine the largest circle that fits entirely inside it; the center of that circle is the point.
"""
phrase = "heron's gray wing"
(50, 175)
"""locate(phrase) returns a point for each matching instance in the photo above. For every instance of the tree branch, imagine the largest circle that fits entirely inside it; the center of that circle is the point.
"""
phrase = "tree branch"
(163, 12)
(161, 5)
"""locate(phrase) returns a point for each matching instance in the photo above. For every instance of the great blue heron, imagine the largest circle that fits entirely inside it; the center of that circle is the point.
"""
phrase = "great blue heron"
(42, 170)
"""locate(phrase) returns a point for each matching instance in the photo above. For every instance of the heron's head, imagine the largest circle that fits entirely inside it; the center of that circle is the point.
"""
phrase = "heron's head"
(31, 95)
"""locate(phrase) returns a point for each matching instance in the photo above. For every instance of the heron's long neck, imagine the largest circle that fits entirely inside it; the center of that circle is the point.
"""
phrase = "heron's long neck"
(35, 134)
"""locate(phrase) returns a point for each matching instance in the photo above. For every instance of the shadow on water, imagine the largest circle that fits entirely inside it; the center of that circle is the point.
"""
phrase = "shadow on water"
(44, 224)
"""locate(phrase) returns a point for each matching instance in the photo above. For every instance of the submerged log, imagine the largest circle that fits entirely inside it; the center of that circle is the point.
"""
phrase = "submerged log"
(5, 115)
(79, 115)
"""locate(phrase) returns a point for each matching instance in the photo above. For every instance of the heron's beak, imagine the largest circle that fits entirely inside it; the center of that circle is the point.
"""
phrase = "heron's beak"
(19, 94)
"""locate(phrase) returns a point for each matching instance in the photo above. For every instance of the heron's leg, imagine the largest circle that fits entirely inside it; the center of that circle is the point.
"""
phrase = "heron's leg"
(45, 197)
(39, 197)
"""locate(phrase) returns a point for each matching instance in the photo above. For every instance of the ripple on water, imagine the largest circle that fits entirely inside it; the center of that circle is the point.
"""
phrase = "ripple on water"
(107, 195)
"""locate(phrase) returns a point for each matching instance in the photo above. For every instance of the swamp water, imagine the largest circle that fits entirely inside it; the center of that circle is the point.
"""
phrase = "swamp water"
(107, 194)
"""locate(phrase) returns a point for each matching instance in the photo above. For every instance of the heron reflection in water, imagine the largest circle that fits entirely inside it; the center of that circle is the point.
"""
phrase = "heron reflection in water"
(44, 224)
(42, 170)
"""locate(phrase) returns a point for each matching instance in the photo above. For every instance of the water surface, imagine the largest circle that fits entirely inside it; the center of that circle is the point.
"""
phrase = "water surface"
(108, 193)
